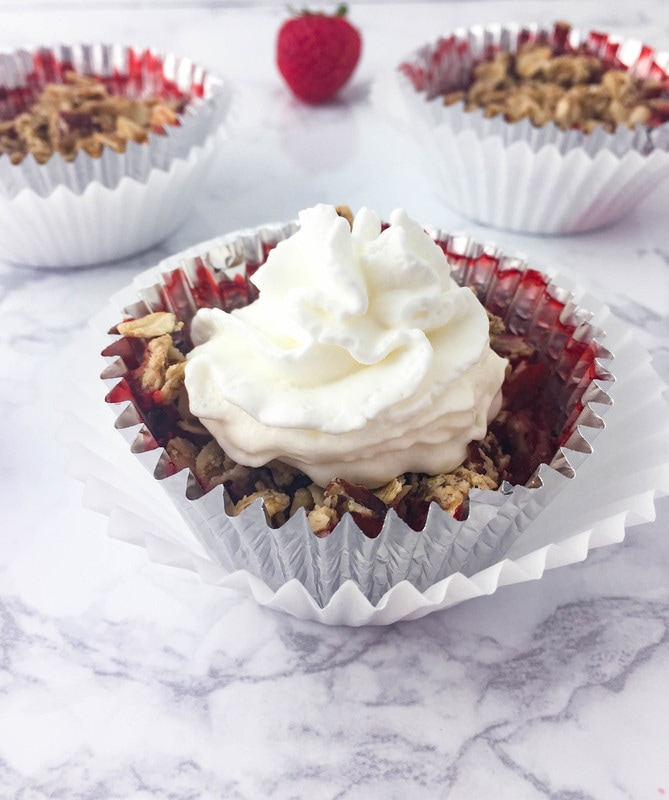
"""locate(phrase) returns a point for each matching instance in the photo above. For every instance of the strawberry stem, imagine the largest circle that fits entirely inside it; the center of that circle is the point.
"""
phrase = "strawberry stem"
(340, 11)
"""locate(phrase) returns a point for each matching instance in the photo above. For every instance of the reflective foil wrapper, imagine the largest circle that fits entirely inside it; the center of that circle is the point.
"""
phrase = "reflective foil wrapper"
(577, 382)
(515, 175)
(93, 209)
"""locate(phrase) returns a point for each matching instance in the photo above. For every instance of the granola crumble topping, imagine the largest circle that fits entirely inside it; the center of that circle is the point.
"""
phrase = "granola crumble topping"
(573, 89)
(81, 115)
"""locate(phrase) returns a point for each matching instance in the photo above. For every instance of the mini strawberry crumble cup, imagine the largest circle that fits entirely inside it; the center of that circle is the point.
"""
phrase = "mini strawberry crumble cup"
(545, 130)
(101, 147)
(413, 496)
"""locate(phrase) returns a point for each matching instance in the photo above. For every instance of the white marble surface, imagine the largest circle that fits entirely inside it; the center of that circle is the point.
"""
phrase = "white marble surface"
(124, 679)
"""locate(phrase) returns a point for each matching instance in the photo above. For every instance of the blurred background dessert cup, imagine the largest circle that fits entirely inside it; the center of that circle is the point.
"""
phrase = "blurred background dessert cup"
(102, 150)
(533, 128)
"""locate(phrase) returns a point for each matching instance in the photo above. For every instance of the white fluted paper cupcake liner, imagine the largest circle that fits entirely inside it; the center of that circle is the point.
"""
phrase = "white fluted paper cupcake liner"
(102, 224)
(513, 175)
(93, 210)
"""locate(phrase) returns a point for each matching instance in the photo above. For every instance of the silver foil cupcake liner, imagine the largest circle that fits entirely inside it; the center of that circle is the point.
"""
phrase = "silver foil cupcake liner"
(560, 181)
(530, 304)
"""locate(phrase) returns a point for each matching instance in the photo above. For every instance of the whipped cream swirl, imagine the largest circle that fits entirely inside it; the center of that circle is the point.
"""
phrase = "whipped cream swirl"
(361, 359)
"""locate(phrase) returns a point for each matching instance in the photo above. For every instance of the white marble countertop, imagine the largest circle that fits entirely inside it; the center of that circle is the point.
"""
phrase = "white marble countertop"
(122, 679)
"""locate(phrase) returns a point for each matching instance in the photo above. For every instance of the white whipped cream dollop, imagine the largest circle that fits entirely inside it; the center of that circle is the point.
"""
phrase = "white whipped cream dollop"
(361, 359)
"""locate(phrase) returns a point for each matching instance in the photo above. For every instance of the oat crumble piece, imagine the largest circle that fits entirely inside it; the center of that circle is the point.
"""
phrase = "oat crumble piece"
(151, 325)
(302, 498)
(214, 467)
(346, 213)
(393, 491)
(274, 503)
(450, 489)
(182, 453)
(175, 376)
(322, 520)
(155, 367)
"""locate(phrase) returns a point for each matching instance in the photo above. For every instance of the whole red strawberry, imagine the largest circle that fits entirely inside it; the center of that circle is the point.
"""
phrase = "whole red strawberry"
(316, 53)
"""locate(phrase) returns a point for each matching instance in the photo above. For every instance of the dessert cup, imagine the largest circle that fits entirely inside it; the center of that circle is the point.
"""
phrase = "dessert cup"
(93, 210)
(347, 578)
(514, 175)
